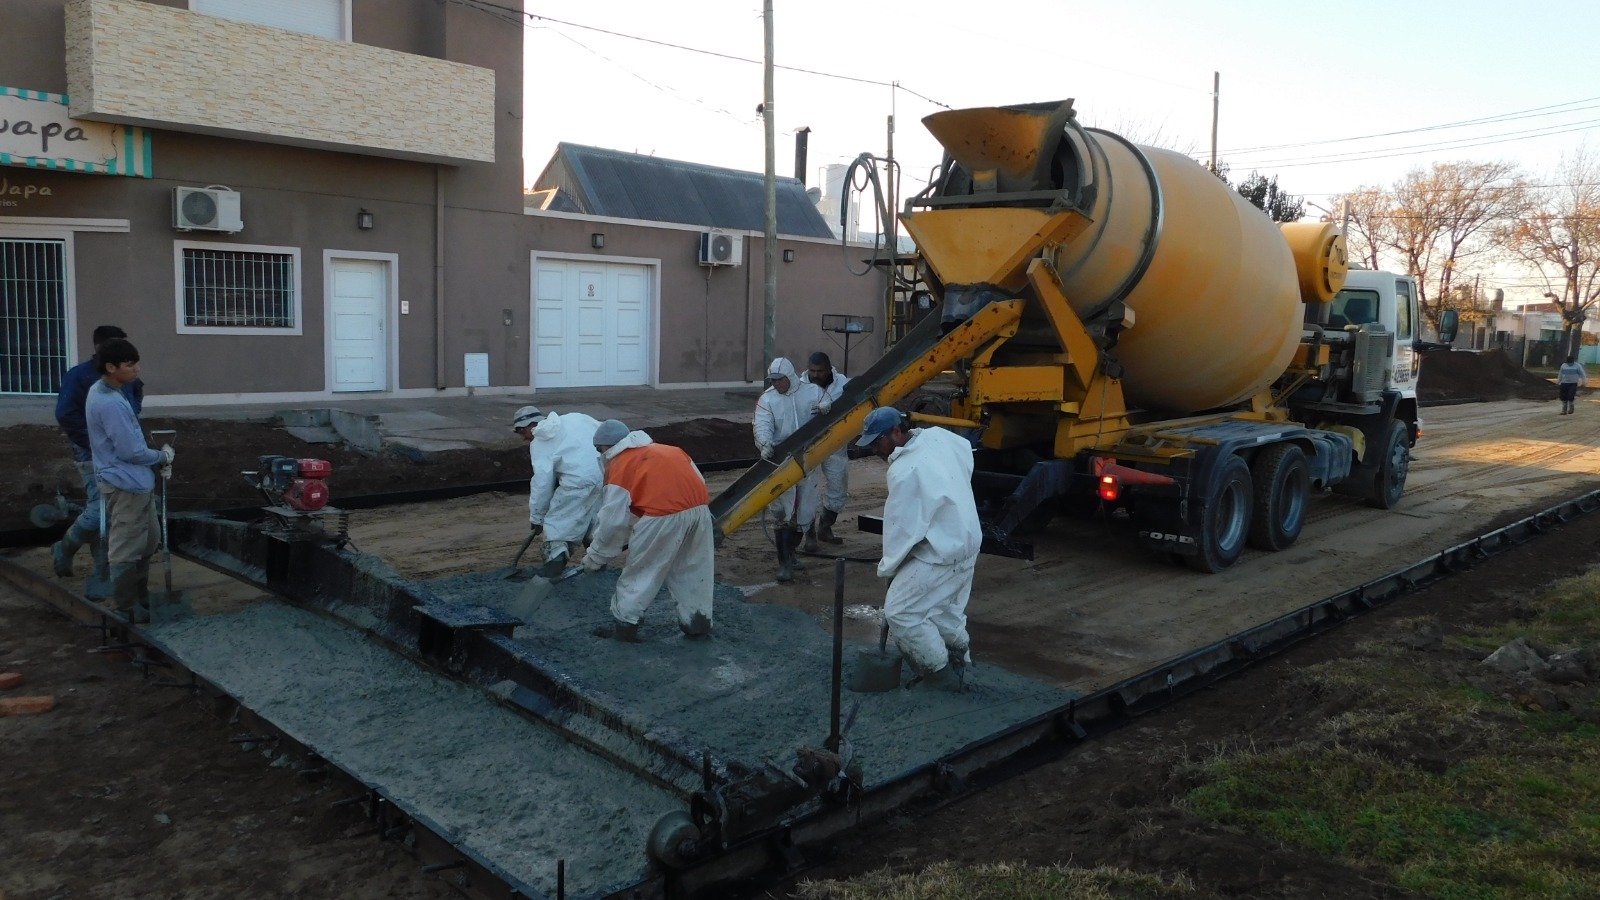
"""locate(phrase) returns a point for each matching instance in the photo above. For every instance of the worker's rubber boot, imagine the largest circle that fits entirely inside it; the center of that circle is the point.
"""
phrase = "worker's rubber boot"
(825, 528)
(795, 537)
(618, 630)
(698, 629)
(554, 565)
(784, 538)
(141, 584)
(61, 553)
(125, 592)
(811, 540)
(944, 679)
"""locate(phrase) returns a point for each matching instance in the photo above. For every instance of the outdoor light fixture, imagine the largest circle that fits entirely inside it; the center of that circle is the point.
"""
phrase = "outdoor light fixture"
(597, 241)
(364, 220)
(788, 256)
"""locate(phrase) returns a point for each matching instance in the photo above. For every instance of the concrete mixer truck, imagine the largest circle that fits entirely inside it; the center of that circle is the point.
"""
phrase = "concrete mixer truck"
(1123, 333)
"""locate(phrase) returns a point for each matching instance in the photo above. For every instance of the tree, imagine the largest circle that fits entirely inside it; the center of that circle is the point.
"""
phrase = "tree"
(1443, 216)
(1560, 239)
(1265, 195)
(1368, 214)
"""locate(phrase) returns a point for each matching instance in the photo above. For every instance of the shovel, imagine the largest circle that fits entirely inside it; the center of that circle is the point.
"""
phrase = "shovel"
(533, 595)
(877, 671)
(517, 574)
(168, 605)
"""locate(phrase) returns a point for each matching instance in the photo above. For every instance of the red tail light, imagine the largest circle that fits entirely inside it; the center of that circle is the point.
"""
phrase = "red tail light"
(1109, 488)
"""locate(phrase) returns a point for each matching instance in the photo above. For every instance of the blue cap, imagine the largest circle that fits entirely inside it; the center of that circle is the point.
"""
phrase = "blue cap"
(610, 432)
(879, 422)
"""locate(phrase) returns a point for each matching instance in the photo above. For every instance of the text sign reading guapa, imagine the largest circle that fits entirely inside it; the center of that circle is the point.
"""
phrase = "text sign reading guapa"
(36, 131)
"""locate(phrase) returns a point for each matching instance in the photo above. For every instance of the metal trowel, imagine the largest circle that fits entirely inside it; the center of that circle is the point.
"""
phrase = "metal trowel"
(878, 670)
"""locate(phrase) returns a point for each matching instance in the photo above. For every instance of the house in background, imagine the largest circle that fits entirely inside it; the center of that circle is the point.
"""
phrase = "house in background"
(300, 199)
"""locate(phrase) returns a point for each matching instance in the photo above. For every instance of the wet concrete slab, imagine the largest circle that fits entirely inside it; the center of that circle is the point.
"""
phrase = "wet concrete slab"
(760, 688)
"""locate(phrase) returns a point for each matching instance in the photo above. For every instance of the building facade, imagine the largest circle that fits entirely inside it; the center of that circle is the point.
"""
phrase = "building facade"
(307, 198)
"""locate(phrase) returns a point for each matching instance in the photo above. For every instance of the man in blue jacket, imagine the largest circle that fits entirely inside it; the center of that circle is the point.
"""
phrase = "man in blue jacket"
(125, 467)
(69, 414)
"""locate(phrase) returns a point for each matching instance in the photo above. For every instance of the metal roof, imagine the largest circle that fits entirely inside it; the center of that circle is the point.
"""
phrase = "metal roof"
(630, 186)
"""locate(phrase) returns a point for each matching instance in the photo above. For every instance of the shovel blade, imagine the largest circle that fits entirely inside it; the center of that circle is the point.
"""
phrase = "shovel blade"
(876, 672)
(169, 606)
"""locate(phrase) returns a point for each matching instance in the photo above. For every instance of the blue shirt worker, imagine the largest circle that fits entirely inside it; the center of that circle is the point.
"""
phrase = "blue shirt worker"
(125, 467)
(931, 537)
(85, 529)
(1569, 378)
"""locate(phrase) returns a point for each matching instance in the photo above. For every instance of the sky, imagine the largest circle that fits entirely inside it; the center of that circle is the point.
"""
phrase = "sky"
(1317, 82)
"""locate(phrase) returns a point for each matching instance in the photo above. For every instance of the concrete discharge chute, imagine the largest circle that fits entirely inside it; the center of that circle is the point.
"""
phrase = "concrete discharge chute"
(1103, 302)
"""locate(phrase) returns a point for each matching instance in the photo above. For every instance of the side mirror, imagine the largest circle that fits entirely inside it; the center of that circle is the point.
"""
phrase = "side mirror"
(1449, 322)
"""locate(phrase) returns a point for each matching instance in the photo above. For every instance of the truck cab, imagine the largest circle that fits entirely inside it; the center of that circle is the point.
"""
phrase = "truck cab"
(1371, 306)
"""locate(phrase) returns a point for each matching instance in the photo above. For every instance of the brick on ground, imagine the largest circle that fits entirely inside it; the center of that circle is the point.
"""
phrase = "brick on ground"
(21, 706)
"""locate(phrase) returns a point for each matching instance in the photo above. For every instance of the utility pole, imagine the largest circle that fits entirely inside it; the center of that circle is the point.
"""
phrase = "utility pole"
(769, 344)
(1216, 102)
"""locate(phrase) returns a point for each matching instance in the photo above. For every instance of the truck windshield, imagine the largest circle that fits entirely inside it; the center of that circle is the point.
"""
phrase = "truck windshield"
(1353, 307)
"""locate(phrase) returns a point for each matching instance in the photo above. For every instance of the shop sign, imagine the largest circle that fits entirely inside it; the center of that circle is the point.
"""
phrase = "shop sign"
(36, 131)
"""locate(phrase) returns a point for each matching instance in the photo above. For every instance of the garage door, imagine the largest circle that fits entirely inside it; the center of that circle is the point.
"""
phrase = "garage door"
(590, 324)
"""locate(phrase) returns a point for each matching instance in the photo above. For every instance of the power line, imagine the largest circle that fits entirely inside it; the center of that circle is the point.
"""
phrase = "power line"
(1483, 120)
(1443, 190)
(1498, 139)
(501, 13)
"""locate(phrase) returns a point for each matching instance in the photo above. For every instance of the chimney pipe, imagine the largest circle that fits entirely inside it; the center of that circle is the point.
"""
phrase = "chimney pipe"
(802, 136)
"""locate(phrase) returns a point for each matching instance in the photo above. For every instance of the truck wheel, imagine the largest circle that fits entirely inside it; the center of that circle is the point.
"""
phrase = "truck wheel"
(1390, 484)
(1226, 520)
(1282, 490)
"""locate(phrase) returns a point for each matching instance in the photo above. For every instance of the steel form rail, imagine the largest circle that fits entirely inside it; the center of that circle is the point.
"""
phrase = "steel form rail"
(782, 851)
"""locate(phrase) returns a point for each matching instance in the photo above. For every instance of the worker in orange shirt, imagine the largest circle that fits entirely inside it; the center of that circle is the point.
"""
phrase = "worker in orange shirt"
(654, 504)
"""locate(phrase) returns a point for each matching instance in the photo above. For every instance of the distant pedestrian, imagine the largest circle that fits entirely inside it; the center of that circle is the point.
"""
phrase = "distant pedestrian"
(70, 402)
(564, 493)
(655, 506)
(126, 469)
(835, 487)
(1569, 378)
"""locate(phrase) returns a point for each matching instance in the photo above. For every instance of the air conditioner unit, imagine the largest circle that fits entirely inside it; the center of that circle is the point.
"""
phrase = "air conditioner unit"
(206, 209)
(721, 249)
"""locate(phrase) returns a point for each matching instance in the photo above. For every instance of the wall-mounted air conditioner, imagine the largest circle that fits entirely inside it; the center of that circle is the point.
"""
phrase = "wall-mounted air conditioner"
(721, 249)
(206, 209)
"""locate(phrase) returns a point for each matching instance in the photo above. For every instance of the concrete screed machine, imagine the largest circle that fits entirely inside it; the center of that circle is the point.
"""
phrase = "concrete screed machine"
(1124, 332)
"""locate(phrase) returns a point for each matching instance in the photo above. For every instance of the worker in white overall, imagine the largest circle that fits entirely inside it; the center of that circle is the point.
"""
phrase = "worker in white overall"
(564, 493)
(835, 482)
(931, 537)
(785, 406)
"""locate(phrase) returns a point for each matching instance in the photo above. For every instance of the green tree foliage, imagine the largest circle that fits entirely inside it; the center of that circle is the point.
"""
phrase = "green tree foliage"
(1265, 195)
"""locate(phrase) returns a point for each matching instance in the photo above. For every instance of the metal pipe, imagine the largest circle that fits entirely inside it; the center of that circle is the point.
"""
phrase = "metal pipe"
(835, 739)
(438, 277)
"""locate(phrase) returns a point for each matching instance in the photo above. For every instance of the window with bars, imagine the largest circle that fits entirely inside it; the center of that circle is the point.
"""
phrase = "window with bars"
(233, 289)
(33, 316)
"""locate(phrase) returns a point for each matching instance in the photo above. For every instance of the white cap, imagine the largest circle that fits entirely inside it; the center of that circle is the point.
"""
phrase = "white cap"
(526, 416)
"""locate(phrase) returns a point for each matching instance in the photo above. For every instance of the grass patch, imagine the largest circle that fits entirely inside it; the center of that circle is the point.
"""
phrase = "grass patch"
(946, 881)
(1512, 815)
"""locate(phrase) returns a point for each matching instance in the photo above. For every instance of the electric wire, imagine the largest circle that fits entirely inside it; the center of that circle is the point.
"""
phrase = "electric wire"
(1535, 112)
(505, 14)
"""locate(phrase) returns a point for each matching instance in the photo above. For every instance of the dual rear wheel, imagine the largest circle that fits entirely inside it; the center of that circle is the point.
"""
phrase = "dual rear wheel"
(1261, 505)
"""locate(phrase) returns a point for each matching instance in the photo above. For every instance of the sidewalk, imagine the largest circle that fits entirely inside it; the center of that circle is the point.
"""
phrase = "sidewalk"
(440, 423)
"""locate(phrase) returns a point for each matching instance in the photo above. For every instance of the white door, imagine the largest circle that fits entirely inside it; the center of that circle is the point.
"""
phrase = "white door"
(590, 324)
(358, 303)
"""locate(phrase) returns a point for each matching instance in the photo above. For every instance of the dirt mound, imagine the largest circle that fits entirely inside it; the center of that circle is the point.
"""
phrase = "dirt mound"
(1462, 376)
(212, 453)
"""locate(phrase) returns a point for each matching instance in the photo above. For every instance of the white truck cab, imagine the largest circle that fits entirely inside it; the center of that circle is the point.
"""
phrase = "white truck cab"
(1372, 304)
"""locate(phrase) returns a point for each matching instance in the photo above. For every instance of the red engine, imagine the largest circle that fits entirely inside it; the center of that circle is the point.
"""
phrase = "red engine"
(299, 484)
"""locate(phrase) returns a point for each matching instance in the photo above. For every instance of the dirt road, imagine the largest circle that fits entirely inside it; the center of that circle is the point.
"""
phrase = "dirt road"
(1093, 607)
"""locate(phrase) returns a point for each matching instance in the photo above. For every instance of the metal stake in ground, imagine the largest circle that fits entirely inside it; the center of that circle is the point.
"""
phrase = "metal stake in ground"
(166, 605)
(835, 739)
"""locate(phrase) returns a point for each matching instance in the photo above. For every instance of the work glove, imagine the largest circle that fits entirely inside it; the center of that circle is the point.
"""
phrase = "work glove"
(765, 449)
(535, 527)
(822, 408)
(590, 564)
(167, 454)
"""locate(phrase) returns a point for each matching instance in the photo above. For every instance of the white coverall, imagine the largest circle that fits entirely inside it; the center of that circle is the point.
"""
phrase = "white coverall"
(779, 415)
(564, 493)
(675, 546)
(931, 537)
(836, 468)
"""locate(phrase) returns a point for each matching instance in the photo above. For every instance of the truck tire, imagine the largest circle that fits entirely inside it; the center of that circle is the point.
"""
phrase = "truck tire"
(1282, 480)
(1225, 523)
(1389, 485)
